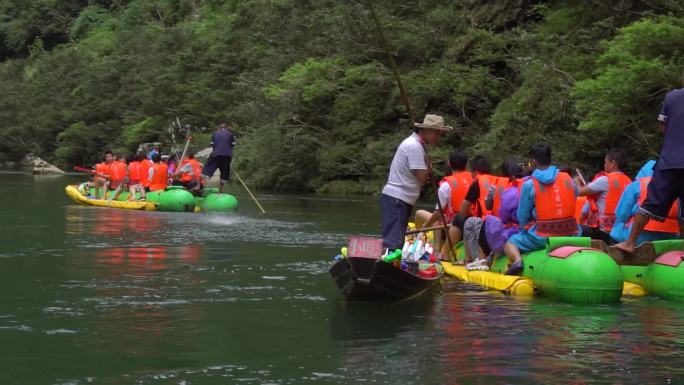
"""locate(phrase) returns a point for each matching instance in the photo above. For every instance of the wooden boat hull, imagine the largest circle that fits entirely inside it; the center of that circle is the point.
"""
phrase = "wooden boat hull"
(373, 280)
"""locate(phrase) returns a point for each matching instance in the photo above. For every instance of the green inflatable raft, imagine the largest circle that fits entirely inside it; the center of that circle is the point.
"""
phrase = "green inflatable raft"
(570, 270)
(665, 276)
(171, 199)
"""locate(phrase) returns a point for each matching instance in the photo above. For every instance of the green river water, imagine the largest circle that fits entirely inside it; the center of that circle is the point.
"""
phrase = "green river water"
(105, 296)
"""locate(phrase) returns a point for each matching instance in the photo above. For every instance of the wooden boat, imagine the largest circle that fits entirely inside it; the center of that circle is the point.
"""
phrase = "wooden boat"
(364, 276)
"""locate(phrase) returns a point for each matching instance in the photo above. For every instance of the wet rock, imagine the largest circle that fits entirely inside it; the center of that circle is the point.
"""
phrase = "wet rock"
(40, 166)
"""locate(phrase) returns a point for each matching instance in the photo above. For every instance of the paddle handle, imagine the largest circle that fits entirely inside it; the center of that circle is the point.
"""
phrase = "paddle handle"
(424, 229)
(89, 171)
(249, 192)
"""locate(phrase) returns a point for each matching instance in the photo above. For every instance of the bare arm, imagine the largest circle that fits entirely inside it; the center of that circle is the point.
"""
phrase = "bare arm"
(584, 191)
(422, 175)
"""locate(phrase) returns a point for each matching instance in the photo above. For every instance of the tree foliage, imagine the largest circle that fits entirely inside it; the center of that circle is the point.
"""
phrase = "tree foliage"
(307, 86)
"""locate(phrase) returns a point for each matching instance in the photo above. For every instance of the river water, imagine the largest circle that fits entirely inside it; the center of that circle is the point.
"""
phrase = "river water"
(105, 296)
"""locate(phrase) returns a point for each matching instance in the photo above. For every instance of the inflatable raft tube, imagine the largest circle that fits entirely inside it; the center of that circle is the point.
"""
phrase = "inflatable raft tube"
(213, 201)
(173, 199)
(665, 276)
(568, 270)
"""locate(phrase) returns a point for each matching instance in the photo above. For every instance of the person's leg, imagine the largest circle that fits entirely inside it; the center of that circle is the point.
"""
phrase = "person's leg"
(422, 216)
(389, 220)
(224, 168)
(471, 234)
(141, 188)
(105, 189)
(454, 234)
(131, 192)
(209, 169)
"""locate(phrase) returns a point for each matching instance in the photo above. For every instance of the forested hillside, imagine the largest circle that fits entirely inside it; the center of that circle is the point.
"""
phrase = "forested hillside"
(307, 86)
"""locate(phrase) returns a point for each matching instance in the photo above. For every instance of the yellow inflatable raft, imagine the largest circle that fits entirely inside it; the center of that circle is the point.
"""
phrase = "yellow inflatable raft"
(73, 193)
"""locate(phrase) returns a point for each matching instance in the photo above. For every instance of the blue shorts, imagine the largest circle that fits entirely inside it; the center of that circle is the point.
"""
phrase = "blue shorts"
(527, 242)
(665, 187)
(394, 216)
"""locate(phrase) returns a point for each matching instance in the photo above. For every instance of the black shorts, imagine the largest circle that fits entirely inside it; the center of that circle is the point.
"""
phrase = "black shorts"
(458, 221)
(222, 163)
(665, 187)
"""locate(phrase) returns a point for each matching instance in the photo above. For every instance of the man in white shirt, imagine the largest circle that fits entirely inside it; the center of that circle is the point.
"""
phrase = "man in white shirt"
(409, 170)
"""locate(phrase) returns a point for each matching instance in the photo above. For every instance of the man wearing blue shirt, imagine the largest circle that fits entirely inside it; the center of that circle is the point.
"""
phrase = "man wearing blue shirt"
(667, 183)
(222, 142)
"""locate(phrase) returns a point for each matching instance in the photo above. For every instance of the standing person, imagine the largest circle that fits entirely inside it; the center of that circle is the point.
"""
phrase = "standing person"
(158, 174)
(410, 168)
(603, 195)
(222, 142)
(548, 199)
(667, 183)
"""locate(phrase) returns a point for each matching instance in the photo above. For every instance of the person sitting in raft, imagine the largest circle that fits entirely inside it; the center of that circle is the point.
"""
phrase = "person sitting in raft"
(474, 202)
(667, 183)
(452, 190)
(100, 177)
(158, 174)
(548, 198)
(603, 194)
(631, 200)
(410, 168)
(117, 175)
(135, 174)
(189, 174)
(145, 166)
(485, 237)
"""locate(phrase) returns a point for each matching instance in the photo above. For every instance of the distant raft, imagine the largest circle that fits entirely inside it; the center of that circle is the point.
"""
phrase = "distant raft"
(171, 199)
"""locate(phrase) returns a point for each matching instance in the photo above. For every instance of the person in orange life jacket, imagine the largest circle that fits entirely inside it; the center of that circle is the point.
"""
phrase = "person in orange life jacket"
(667, 184)
(158, 174)
(135, 177)
(484, 237)
(410, 168)
(189, 174)
(118, 175)
(479, 165)
(633, 196)
(109, 162)
(451, 191)
(603, 193)
(100, 178)
(145, 165)
(548, 198)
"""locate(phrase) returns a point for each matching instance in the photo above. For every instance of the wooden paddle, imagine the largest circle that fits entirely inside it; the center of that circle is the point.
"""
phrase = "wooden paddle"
(424, 229)
(249, 192)
(89, 171)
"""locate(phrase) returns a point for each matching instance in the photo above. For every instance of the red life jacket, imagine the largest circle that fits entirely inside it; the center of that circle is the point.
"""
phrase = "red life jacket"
(145, 165)
(134, 172)
(555, 205)
(593, 214)
(671, 223)
(459, 182)
(579, 206)
(117, 171)
(160, 178)
(617, 183)
(196, 170)
(485, 181)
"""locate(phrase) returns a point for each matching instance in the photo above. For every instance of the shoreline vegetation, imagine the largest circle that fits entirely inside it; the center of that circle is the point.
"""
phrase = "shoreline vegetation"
(308, 91)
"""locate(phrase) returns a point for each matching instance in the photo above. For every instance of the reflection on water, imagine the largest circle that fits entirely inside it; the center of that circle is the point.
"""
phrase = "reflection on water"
(105, 296)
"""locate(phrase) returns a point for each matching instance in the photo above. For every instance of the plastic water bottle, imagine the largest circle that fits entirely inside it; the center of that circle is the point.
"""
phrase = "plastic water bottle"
(420, 249)
(405, 250)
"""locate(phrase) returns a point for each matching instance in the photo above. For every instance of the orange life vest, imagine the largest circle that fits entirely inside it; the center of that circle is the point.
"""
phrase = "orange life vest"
(485, 181)
(617, 183)
(134, 172)
(102, 168)
(459, 182)
(555, 204)
(160, 179)
(145, 165)
(579, 206)
(196, 170)
(117, 171)
(671, 223)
